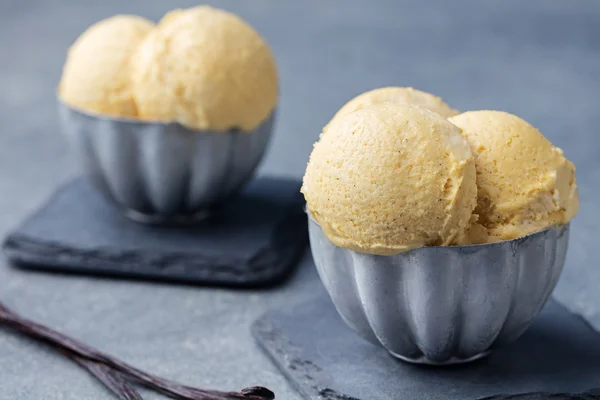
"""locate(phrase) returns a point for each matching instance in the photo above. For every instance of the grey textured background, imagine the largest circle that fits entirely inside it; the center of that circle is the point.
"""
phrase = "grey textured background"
(539, 59)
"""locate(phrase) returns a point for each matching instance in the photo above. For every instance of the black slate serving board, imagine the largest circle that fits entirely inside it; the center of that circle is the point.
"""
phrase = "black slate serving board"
(255, 239)
(557, 358)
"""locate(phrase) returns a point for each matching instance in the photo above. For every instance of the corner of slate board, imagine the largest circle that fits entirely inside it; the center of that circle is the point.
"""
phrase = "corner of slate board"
(557, 358)
(256, 240)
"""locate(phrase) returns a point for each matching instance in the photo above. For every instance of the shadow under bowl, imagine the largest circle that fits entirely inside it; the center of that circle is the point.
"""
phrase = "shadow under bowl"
(442, 305)
(162, 172)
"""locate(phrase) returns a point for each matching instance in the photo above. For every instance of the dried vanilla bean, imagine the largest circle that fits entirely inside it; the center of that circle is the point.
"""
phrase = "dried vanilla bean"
(111, 379)
(164, 386)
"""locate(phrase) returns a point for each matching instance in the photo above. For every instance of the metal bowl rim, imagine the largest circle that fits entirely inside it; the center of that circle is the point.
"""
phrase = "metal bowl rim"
(454, 247)
(140, 122)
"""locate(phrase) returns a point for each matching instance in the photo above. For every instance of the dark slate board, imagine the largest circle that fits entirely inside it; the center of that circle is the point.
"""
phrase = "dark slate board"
(256, 239)
(557, 358)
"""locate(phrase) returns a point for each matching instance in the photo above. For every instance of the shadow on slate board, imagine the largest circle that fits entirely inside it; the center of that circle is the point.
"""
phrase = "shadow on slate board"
(557, 358)
(255, 239)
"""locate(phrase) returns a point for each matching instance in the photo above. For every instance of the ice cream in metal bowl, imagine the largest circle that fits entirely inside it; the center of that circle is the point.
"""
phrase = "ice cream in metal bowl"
(169, 119)
(439, 240)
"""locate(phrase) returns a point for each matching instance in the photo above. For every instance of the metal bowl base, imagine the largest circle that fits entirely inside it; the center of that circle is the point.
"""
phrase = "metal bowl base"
(452, 361)
(167, 220)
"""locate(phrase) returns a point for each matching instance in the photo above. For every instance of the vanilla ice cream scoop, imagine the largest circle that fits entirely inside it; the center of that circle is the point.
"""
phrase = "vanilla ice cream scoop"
(393, 94)
(206, 69)
(389, 178)
(96, 74)
(525, 184)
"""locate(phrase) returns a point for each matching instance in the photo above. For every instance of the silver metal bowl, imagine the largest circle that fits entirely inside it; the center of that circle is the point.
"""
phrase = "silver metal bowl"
(162, 172)
(442, 305)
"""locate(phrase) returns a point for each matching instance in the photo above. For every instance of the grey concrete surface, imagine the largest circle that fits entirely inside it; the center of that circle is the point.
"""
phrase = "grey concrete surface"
(539, 59)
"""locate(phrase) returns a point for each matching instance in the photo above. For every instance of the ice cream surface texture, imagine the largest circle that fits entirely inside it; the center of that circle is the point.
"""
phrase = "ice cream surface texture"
(206, 69)
(96, 74)
(395, 94)
(525, 184)
(389, 178)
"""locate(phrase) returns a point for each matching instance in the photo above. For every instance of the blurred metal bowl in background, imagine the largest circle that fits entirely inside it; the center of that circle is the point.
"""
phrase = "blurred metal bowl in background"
(442, 305)
(162, 172)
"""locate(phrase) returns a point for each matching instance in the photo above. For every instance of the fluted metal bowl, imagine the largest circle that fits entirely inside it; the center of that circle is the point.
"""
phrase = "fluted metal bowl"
(442, 305)
(162, 172)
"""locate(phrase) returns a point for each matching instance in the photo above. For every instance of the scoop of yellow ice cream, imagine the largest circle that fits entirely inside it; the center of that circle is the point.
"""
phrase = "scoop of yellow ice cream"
(96, 74)
(525, 184)
(391, 177)
(474, 234)
(207, 69)
(393, 94)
